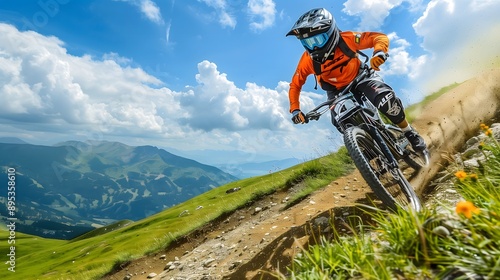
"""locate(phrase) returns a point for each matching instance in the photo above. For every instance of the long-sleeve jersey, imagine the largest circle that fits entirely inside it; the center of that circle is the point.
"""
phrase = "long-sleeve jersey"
(340, 70)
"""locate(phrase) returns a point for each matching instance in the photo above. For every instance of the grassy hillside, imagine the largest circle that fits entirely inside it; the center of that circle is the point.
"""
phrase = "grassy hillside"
(69, 188)
(96, 253)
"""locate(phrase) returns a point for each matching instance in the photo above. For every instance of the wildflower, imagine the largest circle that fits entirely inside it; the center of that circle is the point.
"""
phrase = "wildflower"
(461, 175)
(466, 208)
(486, 129)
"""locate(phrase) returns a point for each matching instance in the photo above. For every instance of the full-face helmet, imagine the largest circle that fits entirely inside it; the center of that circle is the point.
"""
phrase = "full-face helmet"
(318, 33)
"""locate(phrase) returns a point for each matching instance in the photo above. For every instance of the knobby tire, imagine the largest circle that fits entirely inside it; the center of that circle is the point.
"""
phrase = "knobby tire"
(388, 184)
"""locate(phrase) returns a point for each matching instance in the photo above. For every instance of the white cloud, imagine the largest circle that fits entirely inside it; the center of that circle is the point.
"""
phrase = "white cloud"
(400, 61)
(373, 12)
(48, 93)
(264, 10)
(461, 37)
(226, 20)
(220, 6)
(458, 37)
(148, 8)
(117, 58)
(151, 11)
(216, 103)
(43, 83)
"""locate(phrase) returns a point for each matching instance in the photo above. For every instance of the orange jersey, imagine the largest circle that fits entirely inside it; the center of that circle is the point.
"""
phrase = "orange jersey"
(340, 70)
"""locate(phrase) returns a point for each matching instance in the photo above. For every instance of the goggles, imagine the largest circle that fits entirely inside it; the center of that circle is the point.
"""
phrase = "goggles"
(315, 41)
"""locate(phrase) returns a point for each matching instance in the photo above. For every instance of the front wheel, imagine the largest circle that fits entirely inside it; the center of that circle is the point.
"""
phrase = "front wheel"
(388, 184)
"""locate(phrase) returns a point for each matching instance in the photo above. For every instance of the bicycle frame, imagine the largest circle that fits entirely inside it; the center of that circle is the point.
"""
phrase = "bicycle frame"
(350, 111)
(375, 147)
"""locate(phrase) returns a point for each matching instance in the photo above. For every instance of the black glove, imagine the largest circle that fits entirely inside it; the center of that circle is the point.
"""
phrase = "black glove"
(299, 117)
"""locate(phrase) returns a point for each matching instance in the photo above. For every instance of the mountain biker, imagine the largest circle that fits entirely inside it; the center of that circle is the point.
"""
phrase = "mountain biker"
(329, 55)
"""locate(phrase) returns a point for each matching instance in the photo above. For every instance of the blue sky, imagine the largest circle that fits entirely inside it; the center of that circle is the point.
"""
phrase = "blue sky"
(194, 75)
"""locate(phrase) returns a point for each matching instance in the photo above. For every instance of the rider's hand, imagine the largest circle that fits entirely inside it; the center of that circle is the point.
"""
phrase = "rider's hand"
(299, 117)
(378, 59)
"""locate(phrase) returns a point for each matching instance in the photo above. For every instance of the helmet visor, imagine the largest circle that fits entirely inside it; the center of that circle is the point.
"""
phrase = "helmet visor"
(315, 41)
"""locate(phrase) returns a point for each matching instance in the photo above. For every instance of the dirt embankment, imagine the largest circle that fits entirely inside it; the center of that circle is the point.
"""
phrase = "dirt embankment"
(260, 241)
(450, 120)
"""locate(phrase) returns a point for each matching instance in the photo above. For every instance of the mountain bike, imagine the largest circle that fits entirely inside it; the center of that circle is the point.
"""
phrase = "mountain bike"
(376, 147)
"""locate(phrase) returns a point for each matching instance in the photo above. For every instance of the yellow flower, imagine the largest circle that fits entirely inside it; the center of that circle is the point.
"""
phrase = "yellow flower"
(466, 208)
(488, 132)
(483, 126)
(461, 175)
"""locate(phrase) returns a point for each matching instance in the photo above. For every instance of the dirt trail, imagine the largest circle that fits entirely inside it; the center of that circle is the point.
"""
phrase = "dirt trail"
(255, 242)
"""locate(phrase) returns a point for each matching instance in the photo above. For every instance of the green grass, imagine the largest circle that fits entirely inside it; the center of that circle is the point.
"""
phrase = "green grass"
(430, 244)
(103, 230)
(318, 173)
(92, 255)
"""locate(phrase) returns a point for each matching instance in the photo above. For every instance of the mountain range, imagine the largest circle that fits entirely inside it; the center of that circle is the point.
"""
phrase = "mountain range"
(67, 189)
(239, 163)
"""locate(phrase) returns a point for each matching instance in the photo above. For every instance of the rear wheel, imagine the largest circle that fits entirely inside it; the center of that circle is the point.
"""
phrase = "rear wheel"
(388, 184)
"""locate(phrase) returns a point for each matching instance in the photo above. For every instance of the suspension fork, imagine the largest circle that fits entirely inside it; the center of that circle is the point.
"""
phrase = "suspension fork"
(375, 134)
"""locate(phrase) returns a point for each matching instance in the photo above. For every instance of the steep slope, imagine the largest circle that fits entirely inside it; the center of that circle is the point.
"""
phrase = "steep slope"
(256, 242)
(72, 187)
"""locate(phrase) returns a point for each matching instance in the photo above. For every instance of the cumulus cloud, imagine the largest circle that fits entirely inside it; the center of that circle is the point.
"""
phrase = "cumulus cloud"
(216, 103)
(373, 12)
(45, 88)
(458, 37)
(461, 37)
(262, 10)
(401, 62)
(44, 83)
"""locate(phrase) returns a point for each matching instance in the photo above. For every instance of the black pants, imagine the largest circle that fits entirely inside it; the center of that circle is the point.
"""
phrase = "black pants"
(381, 95)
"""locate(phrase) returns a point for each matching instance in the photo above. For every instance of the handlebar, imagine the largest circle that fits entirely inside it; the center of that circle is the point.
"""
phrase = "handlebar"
(316, 113)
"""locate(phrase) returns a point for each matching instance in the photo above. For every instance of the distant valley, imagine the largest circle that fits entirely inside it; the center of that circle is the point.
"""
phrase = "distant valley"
(240, 163)
(67, 189)
(251, 169)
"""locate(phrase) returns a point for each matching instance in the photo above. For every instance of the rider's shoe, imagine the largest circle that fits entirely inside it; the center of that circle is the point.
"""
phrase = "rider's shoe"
(416, 141)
